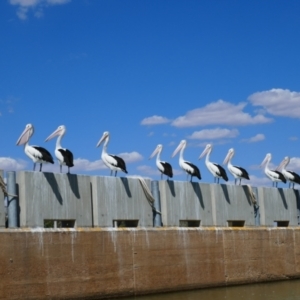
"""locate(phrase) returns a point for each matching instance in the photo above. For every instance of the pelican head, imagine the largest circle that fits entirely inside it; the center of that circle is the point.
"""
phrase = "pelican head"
(103, 138)
(267, 159)
(181, 145)
(229, 156)
(26, 134)
(60, 131)
(206, 150)
(284, 163)
(158, 149)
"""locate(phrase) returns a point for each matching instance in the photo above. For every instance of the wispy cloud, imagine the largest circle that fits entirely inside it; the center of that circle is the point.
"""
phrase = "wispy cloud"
(37, 6)
(220, 112)
(11, 164)
(211, 134)
(155, 120)
(257, 138)
(278, 102)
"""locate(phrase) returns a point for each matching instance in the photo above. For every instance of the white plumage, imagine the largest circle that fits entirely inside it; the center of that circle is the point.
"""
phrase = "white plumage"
(64, 156)
(163, 166)
(187, 166)
(237, 172)
(273, 175)
(35, 153)
(216, 170)
(291, 176)
(113, 162)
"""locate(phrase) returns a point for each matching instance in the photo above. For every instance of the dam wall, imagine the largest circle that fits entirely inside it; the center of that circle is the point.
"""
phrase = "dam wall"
(98, 201)
(99, 263)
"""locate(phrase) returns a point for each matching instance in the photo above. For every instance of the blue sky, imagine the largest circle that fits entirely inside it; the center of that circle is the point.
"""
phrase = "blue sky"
(150, 72)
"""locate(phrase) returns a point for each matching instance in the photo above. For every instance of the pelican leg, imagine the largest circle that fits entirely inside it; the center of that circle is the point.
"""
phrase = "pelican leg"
(60, 167)
(41, 167)
(111, 172)
(116, 173)
(161, 176)
(240, 181)
(34, 166)
(68, 170)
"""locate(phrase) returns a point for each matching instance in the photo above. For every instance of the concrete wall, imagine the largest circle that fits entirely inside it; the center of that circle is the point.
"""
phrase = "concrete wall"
(98, 263)
(99, 201)
(117, 198)
(278, 205)
(54, 196)
(2, 208)
(212, 204)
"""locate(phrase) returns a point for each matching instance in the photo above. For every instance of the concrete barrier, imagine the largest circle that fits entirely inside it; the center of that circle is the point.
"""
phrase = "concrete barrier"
(278, 206)
(2, 207)
(54, 197)
(99, 201)
(120, 201)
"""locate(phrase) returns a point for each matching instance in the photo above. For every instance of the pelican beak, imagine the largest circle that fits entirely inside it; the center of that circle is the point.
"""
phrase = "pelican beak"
(177, 149)
(203, 153)
(227, 158)
(53, 134)
(104, 136)
(24, 137)
(264, 161)
(282, 164)
(154, 152)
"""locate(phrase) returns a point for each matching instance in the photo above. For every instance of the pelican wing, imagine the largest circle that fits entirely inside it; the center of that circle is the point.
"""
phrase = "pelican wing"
(68, 156)
(242, 172)
(41, 153)
(117, 162)
(220, 171)
(167, 169)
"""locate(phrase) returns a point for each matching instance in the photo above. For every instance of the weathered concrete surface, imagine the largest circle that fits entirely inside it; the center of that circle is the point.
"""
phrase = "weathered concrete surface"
(120, 198)
(98, 263)
(278, 205)
(54, 196)
(212, 204)
(2, 208)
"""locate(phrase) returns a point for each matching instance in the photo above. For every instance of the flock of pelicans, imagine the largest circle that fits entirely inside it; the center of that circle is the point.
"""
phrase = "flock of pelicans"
(115, 163)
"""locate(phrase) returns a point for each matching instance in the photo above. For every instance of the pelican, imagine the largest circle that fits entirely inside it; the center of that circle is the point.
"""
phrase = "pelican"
(291, 176)
(274, 175)
(216, 170)
(237, 172)
(163, 166)
(188, 167)
(37, 154)
(113, 162)
(64, 156)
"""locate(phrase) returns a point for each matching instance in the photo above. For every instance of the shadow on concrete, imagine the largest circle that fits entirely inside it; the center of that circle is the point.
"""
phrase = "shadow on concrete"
(197, 190)
(171, 187)
(225, 192)
(124, 180)
(283, 198)
(73, 182)
(54, 186)
(297, 195)
(246, 191)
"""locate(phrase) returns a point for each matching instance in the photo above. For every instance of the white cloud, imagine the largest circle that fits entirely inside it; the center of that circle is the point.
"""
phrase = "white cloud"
(220, 112)
(11, 164)
(257, 138)
(278, 102)
(37, 6)
(217, 133)
(293, 138)
(154, 120)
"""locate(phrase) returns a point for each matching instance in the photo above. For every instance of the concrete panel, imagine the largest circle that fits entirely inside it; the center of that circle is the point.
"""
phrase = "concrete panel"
(278, 205)
(55, 197)
(182, 200)
(232, 203)
(2, 207)
(119, 198)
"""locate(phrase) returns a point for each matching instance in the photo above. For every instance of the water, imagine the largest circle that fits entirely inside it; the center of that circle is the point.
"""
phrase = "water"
(283, 290)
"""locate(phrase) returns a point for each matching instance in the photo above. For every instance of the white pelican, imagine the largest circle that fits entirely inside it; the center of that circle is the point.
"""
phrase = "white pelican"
(64, 156)
(113, 162)
(188, 167)
(291, 176)
(274, 175)
(37, 154)
(216, 170)
(237, 172)
(163, 166)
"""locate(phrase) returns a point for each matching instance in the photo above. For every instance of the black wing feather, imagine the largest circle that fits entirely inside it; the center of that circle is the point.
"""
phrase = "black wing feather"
(244, 172)
(167, 169)
(68, 157)
(196, 171)
(120, 163)
(46, 156)
(222, 172)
